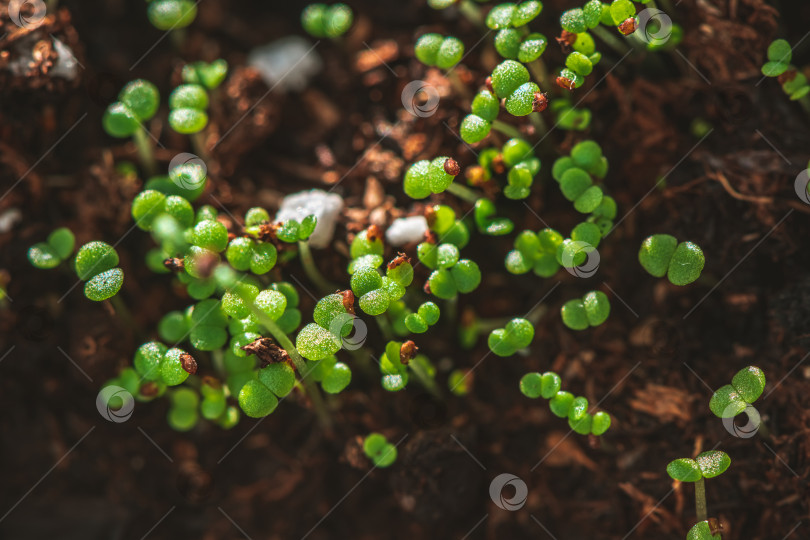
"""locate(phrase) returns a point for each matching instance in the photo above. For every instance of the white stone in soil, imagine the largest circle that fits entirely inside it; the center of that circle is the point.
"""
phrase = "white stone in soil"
(287, 63)
(406, 230)
(324, 206)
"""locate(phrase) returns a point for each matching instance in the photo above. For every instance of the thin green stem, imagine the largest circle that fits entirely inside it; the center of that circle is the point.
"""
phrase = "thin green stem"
(471, 12)
(219, 361)
(463, 192)
(198, 142)
(538, 123)
(451, 309)
(299, 362)
(539, 71)
(506, 129)
(424, 379)
(700, 500)
(457, 84)
(611, 40)
(385, 327)
(314, 275)
(122, 311)
(146, 155)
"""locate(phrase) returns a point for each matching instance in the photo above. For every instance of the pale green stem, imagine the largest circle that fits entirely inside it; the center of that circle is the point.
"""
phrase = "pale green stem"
(123, 312)
(385, 327)
(463, 192)
(539, 71)
(457, 84)
(471, 12)
(538, 123)
(300, 364)
(611, 40)
(219, 361)
(198, 142)
(143, 144)
(314, 275)
(700, 500)
(426, 380)
(506, 129)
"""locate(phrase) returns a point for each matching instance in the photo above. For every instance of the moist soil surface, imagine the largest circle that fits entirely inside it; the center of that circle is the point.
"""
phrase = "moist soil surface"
(68, 473)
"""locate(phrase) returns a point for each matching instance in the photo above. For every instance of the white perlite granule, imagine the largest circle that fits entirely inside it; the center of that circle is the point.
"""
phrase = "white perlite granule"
(324, 206)
(406, 230)
(287, 63)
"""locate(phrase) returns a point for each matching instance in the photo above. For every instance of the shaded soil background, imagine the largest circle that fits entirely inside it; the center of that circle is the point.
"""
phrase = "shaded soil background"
(68, 473)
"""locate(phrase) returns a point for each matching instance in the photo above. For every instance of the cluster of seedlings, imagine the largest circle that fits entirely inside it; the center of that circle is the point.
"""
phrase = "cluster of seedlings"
(242, 345)
(727, 402)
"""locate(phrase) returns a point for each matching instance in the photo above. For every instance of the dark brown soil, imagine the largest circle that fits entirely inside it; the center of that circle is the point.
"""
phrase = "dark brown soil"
(67, 473)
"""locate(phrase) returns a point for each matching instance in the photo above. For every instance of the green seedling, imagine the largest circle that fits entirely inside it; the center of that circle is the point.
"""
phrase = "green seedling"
(437, 50)
(96, 264)
(563, 404)
(322, 21)
(706, 465)
(732, 399)
(187, 109)
(379, 450)
(424, 178)
(210, 75)
(400, 361)
(536, 252)
(427, 315)
(486, 221)
(517, 334)
(171, 14)
(50, 254)
(794, 82)
(137, 103)
(575, 174)
(661, 254)
(592, 310)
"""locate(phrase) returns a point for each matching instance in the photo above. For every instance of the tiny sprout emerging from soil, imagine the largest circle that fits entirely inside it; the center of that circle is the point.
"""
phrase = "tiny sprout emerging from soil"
(379, 450)
(51, 253)
(451, 275)
(706, 465)
(137, 103)
(592, 310)
(536, 252)
(486, 221)
(745, 388)
(510, 15)
(183, 414)
(437, 50)
(569, 117)
(171, 14)
(400, 361)
(518, 161)
(460, 382)
(517, 334)
(575, 175)
(564, 404)
(209, 75)
(374, 291)
(661, 254)
(426, 315)
(96, 265)
(322, 21)
(188, 104)
(794, 82)
(424, 178)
